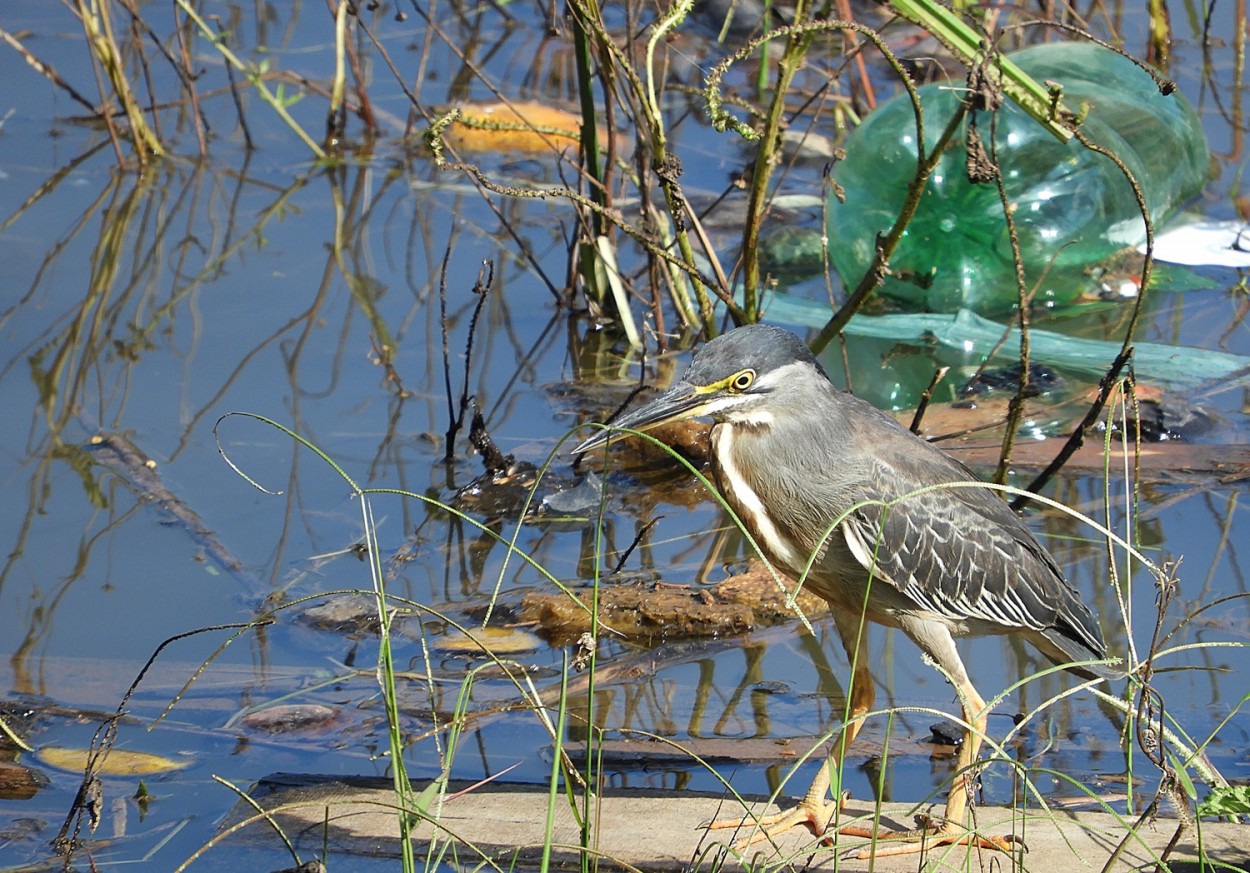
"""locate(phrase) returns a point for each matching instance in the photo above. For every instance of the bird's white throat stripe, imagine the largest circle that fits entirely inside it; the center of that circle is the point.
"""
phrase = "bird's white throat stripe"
(746, 502)
(727, 405)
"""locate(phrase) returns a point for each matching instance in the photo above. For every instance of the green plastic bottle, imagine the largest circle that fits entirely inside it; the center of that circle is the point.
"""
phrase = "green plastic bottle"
(1073, 207)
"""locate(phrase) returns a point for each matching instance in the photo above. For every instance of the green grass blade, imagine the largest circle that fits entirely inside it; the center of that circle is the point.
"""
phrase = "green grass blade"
(1039, 101)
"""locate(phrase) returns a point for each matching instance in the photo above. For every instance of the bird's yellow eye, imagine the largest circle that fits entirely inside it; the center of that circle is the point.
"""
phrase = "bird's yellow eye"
(742, 381)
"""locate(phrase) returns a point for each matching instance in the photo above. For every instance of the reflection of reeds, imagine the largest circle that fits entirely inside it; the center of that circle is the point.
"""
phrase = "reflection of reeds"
(154, 249)
(123, 69)
(97, 23)
(108, 63)
(279, 101)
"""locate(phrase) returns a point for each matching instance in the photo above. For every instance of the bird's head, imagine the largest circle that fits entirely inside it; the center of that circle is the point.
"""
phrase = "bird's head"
(738, 377)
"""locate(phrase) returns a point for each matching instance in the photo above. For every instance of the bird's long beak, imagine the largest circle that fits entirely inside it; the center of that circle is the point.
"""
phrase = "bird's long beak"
(680, 402)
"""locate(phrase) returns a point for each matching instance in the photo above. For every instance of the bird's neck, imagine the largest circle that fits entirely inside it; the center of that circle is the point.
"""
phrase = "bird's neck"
(741, 491)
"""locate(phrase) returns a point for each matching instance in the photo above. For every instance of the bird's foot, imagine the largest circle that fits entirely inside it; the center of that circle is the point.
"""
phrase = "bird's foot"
(929, 836)
(811, 813)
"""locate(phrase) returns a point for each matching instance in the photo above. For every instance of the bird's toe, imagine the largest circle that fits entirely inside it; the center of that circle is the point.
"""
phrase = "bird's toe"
(814, 815)
(892, 843)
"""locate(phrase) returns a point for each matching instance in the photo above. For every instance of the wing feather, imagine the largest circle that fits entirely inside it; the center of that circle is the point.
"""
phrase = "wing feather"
(962, 554)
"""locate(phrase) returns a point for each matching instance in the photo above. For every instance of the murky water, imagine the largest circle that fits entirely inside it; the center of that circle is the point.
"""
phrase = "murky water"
(137, 309)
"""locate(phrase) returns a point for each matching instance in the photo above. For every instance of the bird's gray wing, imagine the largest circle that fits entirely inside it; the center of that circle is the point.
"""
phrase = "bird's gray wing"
(961, 553)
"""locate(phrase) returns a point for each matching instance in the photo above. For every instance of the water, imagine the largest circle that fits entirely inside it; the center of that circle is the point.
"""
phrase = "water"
(146, 306)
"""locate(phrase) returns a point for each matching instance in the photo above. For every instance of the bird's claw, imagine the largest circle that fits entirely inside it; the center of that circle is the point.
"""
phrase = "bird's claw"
(814, 815)
(817, 816)
(892, 843)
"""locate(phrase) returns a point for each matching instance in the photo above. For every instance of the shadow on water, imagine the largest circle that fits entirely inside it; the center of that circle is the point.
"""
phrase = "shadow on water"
(140, 307)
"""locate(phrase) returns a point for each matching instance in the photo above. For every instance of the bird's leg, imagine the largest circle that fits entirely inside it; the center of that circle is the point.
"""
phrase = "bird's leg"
(969, 752)
(815, 810)
(953, 830)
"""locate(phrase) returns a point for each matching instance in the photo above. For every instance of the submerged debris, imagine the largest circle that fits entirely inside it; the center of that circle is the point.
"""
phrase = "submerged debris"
(1161, 416)
(946, 733)
(350, 614)
(291, 718)
(651, 612)
(1042, 380)
(504, 493)
(582, 498)
(500, 641)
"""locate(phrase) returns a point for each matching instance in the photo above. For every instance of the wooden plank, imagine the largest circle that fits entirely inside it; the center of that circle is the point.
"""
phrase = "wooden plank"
(660, 831)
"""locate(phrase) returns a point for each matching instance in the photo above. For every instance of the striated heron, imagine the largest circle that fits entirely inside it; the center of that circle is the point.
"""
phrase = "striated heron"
(822, 478)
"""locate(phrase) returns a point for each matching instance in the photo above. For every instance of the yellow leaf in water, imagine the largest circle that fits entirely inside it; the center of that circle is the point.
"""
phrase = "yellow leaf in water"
(118, 762)
(520, 127)
(499, 640)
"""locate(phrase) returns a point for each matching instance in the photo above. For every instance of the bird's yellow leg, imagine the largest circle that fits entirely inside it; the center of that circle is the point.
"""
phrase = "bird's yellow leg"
(952, 831)
(815, 810)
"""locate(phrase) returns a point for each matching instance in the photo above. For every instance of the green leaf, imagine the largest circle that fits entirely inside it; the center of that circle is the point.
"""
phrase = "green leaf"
(424, 801)
(1182, 776)
(1230, 800)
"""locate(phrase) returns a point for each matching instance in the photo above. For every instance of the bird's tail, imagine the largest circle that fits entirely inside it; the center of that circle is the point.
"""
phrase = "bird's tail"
(1066, 652)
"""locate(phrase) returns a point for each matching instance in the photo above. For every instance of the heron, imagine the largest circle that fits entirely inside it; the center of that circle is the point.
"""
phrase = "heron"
(882, 525)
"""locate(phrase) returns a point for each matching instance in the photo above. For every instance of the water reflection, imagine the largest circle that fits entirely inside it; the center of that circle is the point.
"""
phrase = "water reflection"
(175, 330)
(141, 307)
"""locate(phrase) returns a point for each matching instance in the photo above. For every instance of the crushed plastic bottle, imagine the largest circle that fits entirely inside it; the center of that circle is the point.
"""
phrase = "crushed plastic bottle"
(1073, 207)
